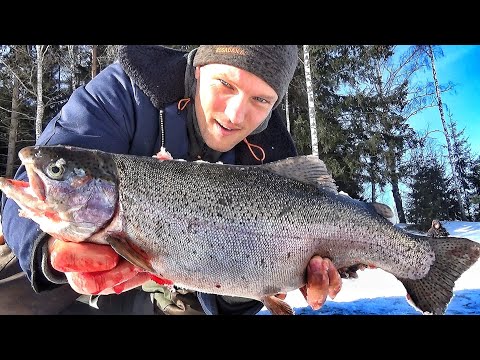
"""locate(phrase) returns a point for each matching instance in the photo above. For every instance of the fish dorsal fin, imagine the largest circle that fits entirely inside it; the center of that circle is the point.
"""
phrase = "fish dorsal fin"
(308, 169)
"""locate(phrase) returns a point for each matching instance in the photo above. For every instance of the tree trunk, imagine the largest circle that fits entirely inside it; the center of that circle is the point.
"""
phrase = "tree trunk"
(73, 66)
(311, 103)
(374, 194)
(373, 187)
(94, 61)
(287, 114)
(40, 106)
(447, 138)
(14, 119)
(398, 201)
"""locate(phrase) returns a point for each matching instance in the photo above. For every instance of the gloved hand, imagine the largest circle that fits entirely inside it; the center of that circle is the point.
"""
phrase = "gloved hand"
(172, 301)
(322, 279)
(93, 269)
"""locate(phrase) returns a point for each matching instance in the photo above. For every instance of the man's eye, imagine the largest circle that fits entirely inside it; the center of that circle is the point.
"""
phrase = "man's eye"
(223, 82)
(262, 100)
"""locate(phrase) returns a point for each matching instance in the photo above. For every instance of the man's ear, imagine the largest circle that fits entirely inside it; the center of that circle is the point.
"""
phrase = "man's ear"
(197, 72)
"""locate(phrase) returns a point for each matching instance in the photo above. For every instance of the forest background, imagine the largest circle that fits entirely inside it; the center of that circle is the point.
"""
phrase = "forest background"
(352, 105)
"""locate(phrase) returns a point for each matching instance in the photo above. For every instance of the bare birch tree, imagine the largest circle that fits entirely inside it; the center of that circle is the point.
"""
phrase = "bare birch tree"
(14, 123)
(392, 77)
(311, 103)
(41, 51)
(287, 115)
(72, 55)
(458, 192)
(94, 61)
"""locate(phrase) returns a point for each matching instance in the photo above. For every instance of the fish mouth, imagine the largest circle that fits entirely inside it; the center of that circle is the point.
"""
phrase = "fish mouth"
(28, 195)
(36, 183)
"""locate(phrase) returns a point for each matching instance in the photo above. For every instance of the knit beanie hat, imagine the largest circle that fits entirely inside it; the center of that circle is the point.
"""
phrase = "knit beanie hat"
(275, 64)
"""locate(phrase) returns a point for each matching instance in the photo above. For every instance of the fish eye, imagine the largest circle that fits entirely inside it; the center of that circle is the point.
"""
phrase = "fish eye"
(55, 170)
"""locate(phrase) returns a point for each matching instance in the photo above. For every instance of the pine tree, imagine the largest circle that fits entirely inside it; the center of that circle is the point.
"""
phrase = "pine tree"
(428, 198)
(463, 162)
(474, 179)
(334, 68)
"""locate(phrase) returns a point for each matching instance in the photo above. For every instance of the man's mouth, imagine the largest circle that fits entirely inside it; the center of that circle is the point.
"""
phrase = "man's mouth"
(223, 126)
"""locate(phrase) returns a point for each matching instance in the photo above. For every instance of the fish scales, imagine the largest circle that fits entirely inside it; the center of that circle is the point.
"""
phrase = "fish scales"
(223, 225)
(245, 231)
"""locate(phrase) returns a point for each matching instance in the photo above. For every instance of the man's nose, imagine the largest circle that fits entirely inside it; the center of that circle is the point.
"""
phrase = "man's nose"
(236, 108)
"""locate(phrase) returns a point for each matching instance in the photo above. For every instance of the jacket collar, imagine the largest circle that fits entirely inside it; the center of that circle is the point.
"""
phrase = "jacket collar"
(156, 70)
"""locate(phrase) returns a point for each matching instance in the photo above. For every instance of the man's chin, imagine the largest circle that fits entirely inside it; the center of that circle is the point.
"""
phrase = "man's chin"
(221, 145)
(221, 148)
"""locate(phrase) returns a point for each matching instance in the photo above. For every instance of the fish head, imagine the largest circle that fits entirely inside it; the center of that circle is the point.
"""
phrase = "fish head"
(71, 193)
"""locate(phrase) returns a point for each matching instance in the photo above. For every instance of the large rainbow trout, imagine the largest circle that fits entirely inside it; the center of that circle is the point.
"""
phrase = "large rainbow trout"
(246, 231)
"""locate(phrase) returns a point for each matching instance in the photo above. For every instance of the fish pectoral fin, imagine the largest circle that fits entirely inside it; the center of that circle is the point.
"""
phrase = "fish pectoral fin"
(276, 306)
(125, 250)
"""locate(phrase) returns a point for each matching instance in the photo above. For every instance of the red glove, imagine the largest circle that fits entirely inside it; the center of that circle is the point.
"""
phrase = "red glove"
(94, 269)
(322, 279)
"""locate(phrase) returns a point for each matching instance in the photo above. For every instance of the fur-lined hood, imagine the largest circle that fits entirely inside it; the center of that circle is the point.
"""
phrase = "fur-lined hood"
(156, 70)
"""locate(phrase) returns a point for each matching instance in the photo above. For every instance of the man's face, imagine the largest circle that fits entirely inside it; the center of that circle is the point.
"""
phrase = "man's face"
(230, 103)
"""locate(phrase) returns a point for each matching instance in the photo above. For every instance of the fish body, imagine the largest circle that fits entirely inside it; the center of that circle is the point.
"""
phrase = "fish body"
(246, 231)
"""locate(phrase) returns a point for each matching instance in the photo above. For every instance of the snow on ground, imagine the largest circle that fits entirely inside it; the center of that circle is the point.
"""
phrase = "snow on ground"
(377, 292)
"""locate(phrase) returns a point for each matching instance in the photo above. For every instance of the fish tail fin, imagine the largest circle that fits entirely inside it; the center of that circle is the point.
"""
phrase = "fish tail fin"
(432, 293)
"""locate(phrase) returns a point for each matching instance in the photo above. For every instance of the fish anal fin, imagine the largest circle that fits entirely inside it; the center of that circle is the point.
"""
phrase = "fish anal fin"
(277, 306)
(308, 169)
(125, 250)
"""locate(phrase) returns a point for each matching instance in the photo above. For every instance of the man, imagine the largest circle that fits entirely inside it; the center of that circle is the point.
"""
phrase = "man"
(216, 103)
(437, 230)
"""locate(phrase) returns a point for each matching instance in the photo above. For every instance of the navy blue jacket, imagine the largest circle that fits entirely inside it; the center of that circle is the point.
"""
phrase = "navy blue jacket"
(118, 111)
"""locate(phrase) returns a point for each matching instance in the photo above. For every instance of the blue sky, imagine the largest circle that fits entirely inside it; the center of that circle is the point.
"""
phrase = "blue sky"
(460, 65)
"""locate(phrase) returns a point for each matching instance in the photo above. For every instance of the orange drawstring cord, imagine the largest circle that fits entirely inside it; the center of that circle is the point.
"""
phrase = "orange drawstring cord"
(251, 146)
(183, 103)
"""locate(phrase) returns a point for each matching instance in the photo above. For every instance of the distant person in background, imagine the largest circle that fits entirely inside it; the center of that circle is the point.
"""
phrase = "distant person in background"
(437, 230)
